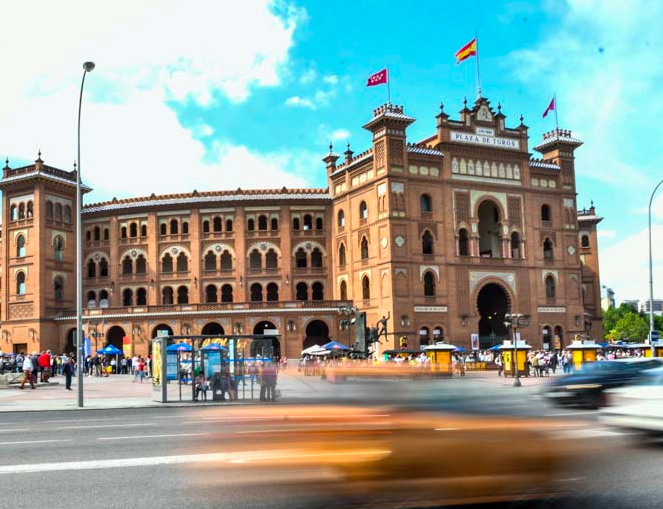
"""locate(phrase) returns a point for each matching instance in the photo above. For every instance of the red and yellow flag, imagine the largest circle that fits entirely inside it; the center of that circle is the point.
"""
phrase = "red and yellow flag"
(467, 51)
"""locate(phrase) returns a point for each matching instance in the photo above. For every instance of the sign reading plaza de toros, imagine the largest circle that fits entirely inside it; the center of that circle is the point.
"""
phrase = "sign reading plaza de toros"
(481, 139)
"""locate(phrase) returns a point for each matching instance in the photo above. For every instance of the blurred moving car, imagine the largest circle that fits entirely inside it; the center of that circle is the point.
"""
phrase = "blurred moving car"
(638, 406)
(586, 388)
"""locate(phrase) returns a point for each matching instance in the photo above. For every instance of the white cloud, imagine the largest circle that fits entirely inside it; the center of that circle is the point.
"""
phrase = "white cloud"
(308, 76)
(340, 134)
(299, 102)
(148, 54)
(326, 134)
(330, 79)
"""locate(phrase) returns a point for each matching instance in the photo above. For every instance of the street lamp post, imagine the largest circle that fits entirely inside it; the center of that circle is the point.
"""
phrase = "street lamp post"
(651, 276)
(87, 67)
(515, 321)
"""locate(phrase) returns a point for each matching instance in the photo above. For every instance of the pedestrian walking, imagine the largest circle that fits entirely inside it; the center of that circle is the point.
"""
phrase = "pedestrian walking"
(68, 373)
(499, 363)
(27, 373)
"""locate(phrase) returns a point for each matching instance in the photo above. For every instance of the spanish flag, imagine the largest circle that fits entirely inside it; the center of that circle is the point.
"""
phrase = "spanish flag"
(467, 51)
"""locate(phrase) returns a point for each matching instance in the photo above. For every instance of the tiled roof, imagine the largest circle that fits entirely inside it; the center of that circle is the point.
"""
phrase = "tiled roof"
(539, 163)
(355, 160)
(555, 136)
(593, 217)
(209, 197)
(424, 150)
(390, 111)
(40, 173)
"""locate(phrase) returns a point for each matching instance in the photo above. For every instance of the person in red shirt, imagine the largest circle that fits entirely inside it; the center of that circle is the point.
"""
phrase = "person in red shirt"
(45, 365)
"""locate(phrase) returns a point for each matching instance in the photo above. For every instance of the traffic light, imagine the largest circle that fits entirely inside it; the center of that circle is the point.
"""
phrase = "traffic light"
(402, 341)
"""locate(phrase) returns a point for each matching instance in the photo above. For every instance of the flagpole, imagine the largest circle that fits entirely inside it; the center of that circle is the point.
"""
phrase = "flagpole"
(556, 121)
(476, 39)
(388, 86)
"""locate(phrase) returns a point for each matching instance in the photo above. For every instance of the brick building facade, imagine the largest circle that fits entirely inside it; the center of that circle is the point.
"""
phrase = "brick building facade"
(444, 236)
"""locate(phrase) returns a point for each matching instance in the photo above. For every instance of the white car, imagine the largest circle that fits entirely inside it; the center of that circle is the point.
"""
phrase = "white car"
(638, 406)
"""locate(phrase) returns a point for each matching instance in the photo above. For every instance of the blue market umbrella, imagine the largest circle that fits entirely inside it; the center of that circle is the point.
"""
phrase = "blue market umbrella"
(335, 345)
(214, 346)
(111, 350)
(496, 347)
(182, 347)
(459, 349)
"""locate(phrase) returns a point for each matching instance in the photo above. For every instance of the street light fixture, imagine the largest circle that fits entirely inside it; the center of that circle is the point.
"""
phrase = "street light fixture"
(515, 321)
(87, 67)
(651, 277)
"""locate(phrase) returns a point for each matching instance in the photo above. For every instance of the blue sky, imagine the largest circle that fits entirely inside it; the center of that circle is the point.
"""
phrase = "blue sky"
(215, 95)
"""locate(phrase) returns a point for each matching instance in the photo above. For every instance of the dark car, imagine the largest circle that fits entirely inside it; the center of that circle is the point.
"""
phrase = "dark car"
(586, 387)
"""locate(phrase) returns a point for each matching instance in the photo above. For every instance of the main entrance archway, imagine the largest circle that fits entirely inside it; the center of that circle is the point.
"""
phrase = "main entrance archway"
(265, 347)
(114, 336)
(492, 305)
(70, 344)
(212, 329)
(317, 333)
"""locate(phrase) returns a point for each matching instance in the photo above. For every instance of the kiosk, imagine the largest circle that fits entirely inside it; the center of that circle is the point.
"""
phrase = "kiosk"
(440, 357)
(583, 351)
(521, 355)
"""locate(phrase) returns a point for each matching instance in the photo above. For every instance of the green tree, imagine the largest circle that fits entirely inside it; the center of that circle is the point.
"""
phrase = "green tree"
(613, 315)
(631, 327)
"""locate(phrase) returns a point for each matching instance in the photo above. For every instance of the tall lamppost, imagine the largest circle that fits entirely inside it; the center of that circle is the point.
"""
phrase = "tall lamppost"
(516, 321)
(651, 277)
(87, 67)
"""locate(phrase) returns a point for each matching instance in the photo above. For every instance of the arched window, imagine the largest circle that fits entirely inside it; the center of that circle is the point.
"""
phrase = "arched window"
(301, 291)
(123, 232)
(584, 241)
(317, 291)
(103, 267)
(316, 258)
(271, 260)
(547, 249)
(20, 246)
(256, 292)
(141, 265)
(30, 212)
(174, 229)
(91, 299)
(88, 235)
(128, 297)
(58, 212)
(67, 213)
(262, 222)
(429, 284)
(58, 249)
(424, 336)
(438, 334)
(141, 297)
(96, 233)
(559, 332)
(163, 229)
(341, 255)
(226, 293)
(340, 219)
(490, 243)
(182, 295)
(363, 210)
(308, 222)
(210, 261)
(127, 265)
(229, 225)
(182, 263)
(133, 230)
(463, 243)
(143, 230)
(226, 261)
(300, 259)
(58, 288)
(251, 224)
(365, 288)
(13, 212)
(344, 290)
(167, 263)
(515, 245)
(206, 226)
(427, 243)
(21, 211)
(91, 268)
(49, 210)
(210, 293)
(550, 287)
(364, 248)
(185, 227)
(106, 234)
(425, 204)
(318, 223)
(545, 212)
(295, 223)
(167, 295)
(20, 283)
(272, 292)
(103, 298)
(255, 260)
(274, 224)
(217, 224)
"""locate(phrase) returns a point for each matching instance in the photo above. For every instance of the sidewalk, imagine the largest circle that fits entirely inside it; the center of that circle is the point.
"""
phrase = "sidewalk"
(118, 391)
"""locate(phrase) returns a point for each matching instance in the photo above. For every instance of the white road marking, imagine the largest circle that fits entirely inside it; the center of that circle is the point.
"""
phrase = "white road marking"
(154, 436)
(135, 425)
(62, 421)
(13, 430)
(34, 442)
(232, 457)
